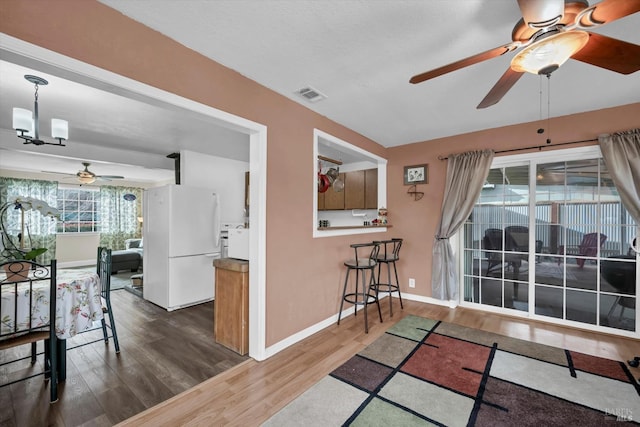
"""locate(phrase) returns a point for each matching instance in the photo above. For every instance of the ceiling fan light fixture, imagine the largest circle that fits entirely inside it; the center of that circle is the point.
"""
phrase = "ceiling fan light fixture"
(546, 55)
(87, 179)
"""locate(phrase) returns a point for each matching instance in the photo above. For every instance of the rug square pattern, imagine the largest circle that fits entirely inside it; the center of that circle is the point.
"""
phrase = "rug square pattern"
(339, 402)
(513, 345)
(599, 366)
(389, 350)
(585, 389)
(363, 373)
(452, 363)
(384, 414)
(429, 400)
(413, 327)
(503, 402)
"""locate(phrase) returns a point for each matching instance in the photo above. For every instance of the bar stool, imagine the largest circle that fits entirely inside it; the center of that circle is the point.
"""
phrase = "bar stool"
(365, 260)
(389, 253)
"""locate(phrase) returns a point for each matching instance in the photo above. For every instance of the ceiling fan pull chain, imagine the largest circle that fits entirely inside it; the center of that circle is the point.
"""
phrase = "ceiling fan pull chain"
(540, 129)
(548, 108)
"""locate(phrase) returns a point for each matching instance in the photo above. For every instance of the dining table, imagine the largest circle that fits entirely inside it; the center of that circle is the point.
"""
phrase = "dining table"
(78, 305)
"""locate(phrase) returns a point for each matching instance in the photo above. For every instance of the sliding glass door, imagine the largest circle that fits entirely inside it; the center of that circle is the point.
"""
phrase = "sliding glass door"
(550, 237)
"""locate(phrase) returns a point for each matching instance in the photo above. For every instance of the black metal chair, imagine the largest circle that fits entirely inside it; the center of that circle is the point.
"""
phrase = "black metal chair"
(364, 260)
(25, 286)
(389, 253)
(103, 268)
(495, 248)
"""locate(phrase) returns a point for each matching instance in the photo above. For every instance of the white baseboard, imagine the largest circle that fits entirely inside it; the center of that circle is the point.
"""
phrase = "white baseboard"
(430, 300)
(299, 336)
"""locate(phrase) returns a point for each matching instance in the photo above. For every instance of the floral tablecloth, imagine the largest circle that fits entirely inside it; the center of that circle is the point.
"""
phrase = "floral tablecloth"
(77, 305)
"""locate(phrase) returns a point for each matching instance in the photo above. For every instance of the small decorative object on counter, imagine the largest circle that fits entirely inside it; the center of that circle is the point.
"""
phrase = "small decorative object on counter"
(382, 215)
(323, 223)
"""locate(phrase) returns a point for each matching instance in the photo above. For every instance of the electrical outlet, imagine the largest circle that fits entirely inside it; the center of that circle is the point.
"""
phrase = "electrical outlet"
(412, 283)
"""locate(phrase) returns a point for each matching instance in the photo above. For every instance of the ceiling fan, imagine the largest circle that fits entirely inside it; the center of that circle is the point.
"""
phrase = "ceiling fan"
(549, 33)
(87, 177)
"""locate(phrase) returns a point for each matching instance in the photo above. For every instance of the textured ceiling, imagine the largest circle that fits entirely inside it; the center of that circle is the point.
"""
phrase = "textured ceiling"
(361, 54)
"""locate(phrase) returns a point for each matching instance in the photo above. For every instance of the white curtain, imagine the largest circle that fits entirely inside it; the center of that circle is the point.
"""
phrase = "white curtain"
(41, 229)
(621, 154)
(120, 208)
(466, 174)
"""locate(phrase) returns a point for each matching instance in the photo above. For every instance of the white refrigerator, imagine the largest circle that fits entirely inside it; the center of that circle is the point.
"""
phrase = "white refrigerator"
(181, 230)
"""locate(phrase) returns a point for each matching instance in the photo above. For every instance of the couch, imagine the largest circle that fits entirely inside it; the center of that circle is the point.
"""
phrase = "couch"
(128, 259)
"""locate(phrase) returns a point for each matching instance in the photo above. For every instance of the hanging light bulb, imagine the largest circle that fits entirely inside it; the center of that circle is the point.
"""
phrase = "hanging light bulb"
(27, 123)
(547, 55)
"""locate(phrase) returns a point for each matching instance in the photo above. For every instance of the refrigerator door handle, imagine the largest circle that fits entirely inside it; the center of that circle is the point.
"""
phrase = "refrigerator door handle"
(216, 220)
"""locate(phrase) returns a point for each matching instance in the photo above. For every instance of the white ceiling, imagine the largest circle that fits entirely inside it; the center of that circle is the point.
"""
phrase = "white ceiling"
(360, 53)
(109, 127)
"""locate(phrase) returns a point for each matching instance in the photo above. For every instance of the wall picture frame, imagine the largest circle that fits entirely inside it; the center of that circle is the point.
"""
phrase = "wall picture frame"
(416, 174)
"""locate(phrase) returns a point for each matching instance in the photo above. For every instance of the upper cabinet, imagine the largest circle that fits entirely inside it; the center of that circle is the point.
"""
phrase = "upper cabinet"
(354, 190)
(332, 199)
(360, 192)
(371, 189)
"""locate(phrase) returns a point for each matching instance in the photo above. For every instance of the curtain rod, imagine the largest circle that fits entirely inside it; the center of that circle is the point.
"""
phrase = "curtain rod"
(539, 147)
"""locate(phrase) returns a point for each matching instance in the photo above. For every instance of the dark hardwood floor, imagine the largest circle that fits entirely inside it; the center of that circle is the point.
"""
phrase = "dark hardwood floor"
(161, 355)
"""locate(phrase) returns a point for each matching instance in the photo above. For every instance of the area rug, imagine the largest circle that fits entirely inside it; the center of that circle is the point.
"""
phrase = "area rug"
(426, 372)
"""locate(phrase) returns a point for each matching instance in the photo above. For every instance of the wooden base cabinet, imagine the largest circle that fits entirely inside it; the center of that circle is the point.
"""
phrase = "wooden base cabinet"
(231, 304)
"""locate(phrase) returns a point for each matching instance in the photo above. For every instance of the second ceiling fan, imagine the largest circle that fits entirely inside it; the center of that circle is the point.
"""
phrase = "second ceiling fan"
(85, 176)
(549, 33)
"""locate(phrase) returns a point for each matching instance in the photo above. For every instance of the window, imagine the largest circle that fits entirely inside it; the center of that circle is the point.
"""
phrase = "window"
(78, 210)
(550, 237)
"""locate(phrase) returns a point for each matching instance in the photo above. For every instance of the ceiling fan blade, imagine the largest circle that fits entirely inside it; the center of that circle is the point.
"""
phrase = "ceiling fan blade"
(506, 82)
(60, 173)
(492, 53)
(610, 10)
(109, 177)
(611, 54)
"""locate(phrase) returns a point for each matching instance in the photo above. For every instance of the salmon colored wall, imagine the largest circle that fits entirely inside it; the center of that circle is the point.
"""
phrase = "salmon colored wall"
(303, 274)
(417, 220)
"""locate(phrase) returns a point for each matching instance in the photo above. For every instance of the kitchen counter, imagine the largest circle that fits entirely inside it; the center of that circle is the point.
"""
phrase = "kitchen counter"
(232, 264)
(346, 227)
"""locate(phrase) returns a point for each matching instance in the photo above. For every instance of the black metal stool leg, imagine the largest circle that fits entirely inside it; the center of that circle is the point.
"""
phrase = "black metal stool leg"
(376, 294)
(365, 298)
(390, 286)
(398, 284)
(344, 294)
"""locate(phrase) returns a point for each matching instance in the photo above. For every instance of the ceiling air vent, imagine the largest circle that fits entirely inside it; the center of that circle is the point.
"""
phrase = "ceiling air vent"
(311, 94)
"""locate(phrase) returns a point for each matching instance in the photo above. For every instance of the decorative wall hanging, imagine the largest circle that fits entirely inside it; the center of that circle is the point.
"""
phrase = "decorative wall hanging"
(417, 174)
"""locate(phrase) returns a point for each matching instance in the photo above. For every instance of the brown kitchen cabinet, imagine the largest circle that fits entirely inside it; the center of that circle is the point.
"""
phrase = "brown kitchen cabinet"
(231, 304)
(371, 189)
(330, 199)
(354, 190)
(360, 192)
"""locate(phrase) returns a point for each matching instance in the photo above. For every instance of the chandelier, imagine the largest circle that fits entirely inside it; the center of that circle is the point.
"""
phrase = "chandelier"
(26, 123)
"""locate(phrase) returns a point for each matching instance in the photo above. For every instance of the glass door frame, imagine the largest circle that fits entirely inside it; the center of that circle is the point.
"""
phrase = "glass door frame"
(532, 160)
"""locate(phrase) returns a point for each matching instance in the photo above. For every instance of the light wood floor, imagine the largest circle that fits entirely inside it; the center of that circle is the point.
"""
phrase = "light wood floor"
(251, 392)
